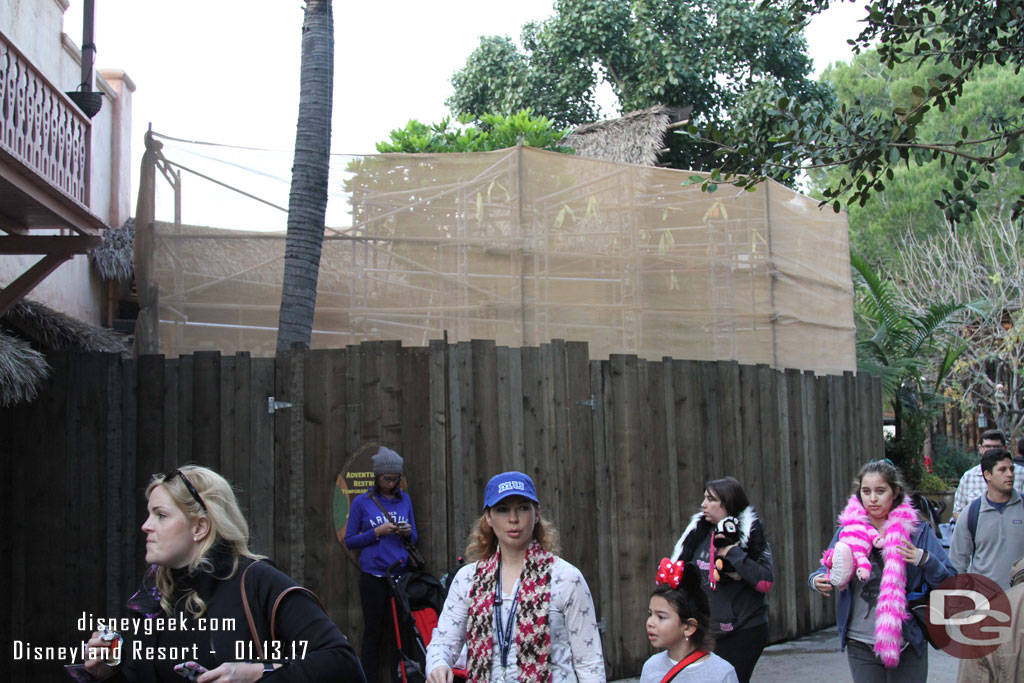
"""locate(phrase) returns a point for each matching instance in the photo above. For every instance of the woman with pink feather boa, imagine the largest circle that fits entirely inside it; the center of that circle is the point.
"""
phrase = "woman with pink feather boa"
(882, 550)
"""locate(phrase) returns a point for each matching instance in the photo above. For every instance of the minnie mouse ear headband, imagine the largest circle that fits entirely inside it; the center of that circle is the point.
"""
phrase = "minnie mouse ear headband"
(670, 573)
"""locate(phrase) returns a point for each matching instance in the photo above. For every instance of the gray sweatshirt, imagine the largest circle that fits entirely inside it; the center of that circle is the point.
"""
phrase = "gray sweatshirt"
(997, 544)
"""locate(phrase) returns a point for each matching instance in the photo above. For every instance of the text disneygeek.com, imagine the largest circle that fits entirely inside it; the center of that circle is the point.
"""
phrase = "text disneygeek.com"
(136, 626)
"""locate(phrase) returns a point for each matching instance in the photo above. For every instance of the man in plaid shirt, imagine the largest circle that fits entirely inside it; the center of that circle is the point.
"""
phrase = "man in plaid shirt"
(972, 483)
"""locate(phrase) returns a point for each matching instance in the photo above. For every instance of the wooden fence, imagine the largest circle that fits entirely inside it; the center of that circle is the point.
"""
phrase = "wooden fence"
(619, 449)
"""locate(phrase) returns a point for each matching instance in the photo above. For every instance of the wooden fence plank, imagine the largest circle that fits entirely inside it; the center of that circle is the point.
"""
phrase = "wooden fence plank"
(710, 423)
(342, 576)
(542, 455)
(533, 408)
(261, 471)
(437, 517)
(559, 469)
(130, 495)
(318, 474)
(171, 432)
(484, 365)
(578, 479)
(461, 480)
(243, 434)
(414, 378)
(227, 451)
(369, 393)
(85, 486)
(603, 588)
(353, 399)
(730, 427)
(751, 460)
(183, 447)
(390, 389)
(691, 439)
(671, 455)
(205, 398)
(114, 528)
(798, 438)
(517, 425)
(631, 482)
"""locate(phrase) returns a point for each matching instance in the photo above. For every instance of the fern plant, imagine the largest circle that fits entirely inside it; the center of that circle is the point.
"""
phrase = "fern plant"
(902, 349)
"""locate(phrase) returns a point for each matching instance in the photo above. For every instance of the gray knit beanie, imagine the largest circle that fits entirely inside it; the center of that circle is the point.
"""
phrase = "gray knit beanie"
(386, 461)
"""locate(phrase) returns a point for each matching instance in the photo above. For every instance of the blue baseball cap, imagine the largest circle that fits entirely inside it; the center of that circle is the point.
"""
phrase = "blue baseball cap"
(507, 484)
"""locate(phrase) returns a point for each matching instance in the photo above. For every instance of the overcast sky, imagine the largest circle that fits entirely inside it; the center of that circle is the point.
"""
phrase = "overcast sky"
(228, 72)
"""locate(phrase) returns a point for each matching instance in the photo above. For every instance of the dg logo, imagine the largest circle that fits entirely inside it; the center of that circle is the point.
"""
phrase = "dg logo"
(968, 616)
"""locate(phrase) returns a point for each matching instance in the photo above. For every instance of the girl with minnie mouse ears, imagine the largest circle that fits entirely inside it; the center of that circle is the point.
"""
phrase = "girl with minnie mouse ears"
(677, 623)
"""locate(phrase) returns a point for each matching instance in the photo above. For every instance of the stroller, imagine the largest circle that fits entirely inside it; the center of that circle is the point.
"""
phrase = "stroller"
(932, 511)
(416, 602)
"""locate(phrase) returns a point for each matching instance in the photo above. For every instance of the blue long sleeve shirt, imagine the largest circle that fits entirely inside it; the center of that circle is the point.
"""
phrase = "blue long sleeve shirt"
(377, 553)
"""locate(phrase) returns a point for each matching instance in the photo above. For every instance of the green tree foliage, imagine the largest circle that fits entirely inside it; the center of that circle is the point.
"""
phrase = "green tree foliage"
(901, 346)
(493, 131)
(949, 43)
(727, 58)
(907, 206)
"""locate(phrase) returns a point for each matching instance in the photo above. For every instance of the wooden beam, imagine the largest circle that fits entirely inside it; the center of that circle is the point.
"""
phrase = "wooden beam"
(14, 292)
(49, 244)
(11, 226)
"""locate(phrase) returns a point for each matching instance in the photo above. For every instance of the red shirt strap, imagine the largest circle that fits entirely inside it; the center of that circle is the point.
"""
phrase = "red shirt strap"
(687, 661)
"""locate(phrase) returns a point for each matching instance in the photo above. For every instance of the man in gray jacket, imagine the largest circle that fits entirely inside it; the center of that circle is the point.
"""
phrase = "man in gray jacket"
(989, 537)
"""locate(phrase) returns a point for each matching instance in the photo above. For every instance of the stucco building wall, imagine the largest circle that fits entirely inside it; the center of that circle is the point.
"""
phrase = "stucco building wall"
(36, 28)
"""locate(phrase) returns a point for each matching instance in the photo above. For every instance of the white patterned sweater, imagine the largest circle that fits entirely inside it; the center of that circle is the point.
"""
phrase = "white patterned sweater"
(576, 653)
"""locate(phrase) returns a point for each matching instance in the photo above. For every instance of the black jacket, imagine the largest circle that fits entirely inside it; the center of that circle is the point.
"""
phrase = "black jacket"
(310, 646)
(736, 603)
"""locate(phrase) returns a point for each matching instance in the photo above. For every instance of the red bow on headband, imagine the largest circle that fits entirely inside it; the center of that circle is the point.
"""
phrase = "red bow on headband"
(670, 573)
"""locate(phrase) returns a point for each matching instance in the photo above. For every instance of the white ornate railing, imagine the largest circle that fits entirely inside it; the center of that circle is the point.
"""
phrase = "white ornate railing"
(40, 126)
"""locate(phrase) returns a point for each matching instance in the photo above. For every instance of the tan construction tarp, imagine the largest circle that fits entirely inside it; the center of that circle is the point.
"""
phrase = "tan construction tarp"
(523, 246)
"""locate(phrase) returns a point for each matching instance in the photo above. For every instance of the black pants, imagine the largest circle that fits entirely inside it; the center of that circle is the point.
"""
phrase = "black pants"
(379, 632)
(742, 649)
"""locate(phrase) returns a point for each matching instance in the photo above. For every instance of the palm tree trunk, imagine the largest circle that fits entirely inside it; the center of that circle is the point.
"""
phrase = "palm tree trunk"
(307, 201)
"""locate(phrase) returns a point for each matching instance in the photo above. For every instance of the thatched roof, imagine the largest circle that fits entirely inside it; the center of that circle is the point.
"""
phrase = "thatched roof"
(27, 331)
(636, 138)
(113, 258)
(22, 368)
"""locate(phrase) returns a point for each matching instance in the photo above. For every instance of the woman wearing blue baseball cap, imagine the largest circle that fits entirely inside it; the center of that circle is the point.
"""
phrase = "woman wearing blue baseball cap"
(525, 613)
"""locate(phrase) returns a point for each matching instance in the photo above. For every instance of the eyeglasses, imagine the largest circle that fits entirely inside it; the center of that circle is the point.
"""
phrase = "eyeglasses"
(391, 478)
(188, 485)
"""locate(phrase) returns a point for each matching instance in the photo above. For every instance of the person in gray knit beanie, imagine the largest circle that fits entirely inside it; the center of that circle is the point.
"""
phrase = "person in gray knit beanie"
(379, 524)
(386, 461)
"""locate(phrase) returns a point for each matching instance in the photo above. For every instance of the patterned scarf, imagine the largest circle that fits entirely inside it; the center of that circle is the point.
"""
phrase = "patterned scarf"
(533, 635)
(891, 608)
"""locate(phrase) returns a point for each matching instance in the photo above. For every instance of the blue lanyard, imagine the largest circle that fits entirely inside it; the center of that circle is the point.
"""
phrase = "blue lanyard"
(505, 632)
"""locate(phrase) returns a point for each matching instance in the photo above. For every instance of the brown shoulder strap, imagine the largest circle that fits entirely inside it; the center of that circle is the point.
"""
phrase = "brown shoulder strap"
(248, 613)
(286, 591)
(273, 611)
(386, 513)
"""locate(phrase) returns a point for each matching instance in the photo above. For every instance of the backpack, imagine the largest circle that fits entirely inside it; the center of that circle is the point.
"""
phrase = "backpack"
(973, 511)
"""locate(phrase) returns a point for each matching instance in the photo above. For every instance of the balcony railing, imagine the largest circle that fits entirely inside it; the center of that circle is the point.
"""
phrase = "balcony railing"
(41, 127)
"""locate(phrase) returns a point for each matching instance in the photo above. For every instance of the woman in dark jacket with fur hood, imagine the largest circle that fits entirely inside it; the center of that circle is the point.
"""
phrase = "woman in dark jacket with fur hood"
(737, 590)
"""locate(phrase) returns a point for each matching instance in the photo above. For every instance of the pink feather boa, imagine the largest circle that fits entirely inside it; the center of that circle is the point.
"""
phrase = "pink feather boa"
(891, 609)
